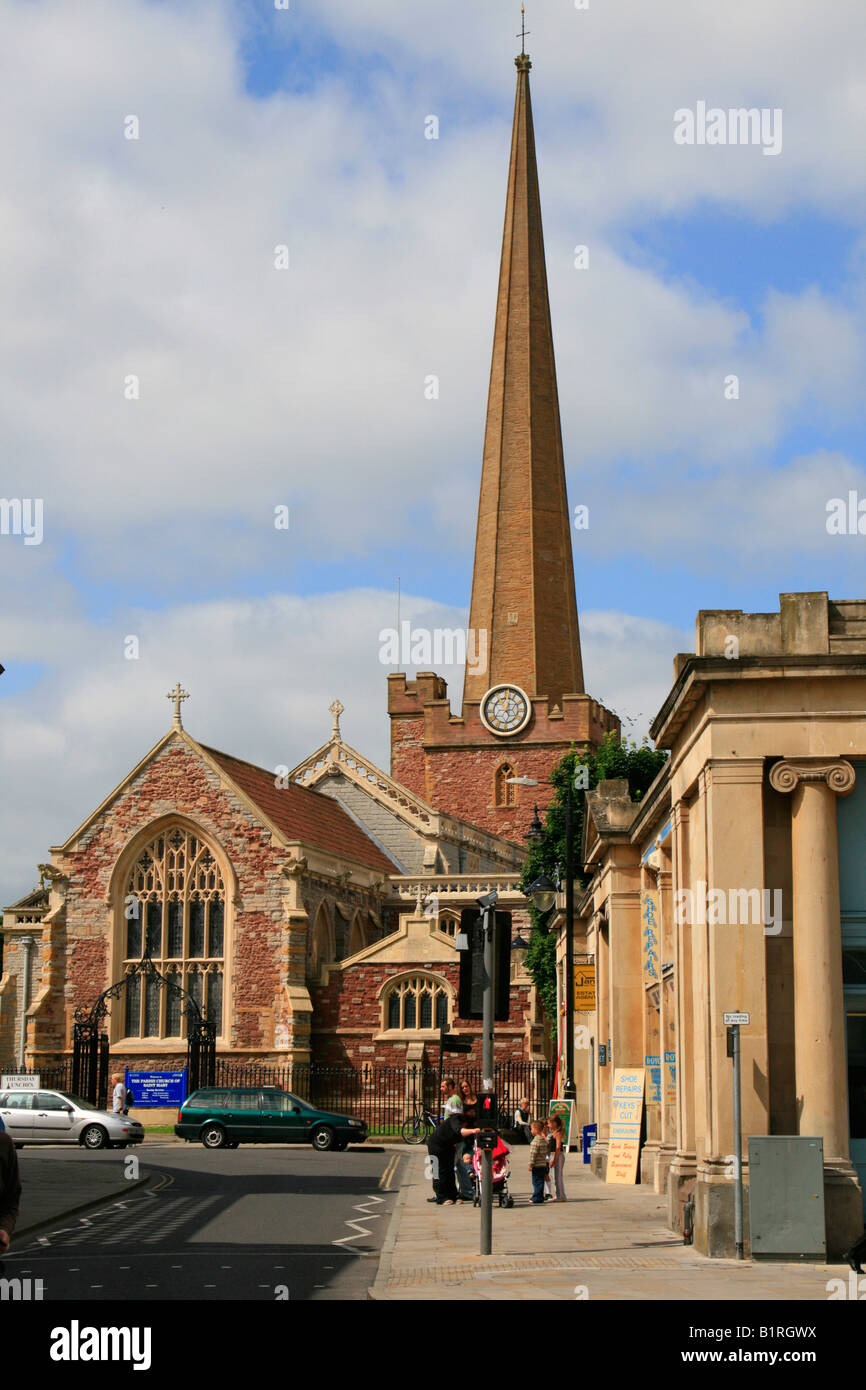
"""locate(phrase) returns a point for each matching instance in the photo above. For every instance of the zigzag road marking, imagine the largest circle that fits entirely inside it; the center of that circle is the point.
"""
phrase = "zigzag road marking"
(360, 1230)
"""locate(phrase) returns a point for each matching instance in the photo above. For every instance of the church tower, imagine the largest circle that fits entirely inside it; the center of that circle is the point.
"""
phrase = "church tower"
(524, 702)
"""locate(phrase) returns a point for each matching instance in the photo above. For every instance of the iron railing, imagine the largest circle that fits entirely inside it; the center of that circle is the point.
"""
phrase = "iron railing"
(385, 1096)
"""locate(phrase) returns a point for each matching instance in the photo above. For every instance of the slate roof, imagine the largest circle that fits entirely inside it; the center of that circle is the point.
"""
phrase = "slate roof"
(302, 814)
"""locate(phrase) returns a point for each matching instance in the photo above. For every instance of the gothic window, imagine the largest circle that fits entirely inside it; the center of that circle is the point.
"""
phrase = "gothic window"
(448, 926)
(415, 1003)
(504, 794)
(174, 911)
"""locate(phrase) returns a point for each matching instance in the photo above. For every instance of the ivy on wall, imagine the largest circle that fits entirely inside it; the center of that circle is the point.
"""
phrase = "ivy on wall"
(639, 765)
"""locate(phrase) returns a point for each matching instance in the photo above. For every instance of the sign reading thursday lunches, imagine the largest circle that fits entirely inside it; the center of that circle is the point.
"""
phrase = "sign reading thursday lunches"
(11, 1081)
(625, 1124)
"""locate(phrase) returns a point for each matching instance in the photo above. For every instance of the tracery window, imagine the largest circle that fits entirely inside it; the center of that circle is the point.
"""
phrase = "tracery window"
(415, 1003)
(504, 794)
(174, 911)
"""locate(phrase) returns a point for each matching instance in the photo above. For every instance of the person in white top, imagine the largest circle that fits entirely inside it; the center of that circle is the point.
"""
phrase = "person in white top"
(119, 1102)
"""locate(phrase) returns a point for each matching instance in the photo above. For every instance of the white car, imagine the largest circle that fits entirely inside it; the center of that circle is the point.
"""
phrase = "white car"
(57, 1117)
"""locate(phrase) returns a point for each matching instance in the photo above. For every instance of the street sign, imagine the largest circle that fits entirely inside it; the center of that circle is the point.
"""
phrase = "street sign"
(584, 988)
(736, 1018)
(455, 1042)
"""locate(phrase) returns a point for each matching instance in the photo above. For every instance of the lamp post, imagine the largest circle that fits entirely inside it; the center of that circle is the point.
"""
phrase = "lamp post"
(543, 895)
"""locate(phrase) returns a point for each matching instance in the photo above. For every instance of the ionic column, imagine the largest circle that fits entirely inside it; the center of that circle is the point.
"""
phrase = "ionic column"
(819, 1013)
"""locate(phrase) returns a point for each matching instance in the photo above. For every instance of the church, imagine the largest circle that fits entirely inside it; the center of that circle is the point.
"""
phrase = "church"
(312, 917)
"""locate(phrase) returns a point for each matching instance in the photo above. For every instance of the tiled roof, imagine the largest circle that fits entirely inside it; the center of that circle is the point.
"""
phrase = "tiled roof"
(302, 814)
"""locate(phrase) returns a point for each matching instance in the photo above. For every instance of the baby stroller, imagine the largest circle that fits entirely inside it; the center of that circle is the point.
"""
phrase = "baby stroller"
(501, 1174)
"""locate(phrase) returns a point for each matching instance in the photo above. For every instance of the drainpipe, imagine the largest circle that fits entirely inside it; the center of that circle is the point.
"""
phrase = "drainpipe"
(27, 942)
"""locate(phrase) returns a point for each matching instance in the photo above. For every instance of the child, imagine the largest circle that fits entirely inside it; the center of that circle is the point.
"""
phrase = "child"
(538, 1161)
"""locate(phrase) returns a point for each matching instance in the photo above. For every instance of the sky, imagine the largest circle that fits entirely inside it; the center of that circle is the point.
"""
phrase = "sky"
(167, 386)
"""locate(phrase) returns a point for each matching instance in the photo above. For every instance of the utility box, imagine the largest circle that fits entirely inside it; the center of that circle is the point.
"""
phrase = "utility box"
(786, 1197)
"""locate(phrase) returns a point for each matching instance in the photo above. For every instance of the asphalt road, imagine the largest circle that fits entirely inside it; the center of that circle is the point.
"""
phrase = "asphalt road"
(259, 1222)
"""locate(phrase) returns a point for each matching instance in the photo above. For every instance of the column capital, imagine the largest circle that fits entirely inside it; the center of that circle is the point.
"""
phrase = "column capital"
(836, 773)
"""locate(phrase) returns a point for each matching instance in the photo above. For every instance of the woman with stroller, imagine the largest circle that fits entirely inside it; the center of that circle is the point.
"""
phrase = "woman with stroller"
(465, 1186)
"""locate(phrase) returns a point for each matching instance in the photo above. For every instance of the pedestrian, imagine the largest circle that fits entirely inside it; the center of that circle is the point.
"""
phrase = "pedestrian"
(556, 1154)
(857, 1254)
(463, 1153)
(10, 1190)
(440, 1147)
(538, 1161)
(119, 1103)
(454, 1100)
(521, 1119)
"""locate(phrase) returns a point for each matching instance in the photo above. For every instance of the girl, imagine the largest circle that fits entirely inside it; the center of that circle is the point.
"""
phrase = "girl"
(556, 1155)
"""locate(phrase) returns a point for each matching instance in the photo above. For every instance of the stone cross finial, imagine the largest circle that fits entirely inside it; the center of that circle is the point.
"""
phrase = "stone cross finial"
(177, 695)
(336, 709)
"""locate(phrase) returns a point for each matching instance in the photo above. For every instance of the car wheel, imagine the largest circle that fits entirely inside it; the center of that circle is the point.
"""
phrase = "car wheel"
(214, 1137)
(94, 1137)
(323, 1138)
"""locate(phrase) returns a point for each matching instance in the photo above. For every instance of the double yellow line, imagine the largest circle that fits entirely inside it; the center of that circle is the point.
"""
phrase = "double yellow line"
(388, 1176)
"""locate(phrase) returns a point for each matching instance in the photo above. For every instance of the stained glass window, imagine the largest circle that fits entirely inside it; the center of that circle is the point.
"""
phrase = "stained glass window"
(196, 928)
(415, 1003)
(176, 892)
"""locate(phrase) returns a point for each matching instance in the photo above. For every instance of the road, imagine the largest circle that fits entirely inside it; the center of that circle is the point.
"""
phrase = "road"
(259, 1222)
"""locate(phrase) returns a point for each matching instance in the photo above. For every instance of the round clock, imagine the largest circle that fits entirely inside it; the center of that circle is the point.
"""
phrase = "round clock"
(505, 710)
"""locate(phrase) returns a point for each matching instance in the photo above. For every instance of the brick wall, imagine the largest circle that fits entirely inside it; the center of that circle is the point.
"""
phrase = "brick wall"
(348, 1018)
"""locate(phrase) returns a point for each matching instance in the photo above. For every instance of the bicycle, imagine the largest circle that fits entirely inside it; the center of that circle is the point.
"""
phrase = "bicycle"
(419, 1127)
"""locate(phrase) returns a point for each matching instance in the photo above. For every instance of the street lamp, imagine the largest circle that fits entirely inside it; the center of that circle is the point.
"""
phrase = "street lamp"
(543, 894)
(543, 886)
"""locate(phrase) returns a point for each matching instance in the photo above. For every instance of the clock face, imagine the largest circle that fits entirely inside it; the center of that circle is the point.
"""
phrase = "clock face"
(505, 709)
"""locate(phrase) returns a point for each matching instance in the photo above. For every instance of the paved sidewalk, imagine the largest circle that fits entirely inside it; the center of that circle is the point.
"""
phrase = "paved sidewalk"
(51, 1191)
(605, 1243)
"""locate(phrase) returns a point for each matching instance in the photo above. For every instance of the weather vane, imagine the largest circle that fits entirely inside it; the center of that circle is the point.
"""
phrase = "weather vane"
(523, 31)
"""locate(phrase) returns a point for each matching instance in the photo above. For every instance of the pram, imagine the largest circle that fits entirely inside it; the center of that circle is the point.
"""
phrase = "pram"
(501, 1174)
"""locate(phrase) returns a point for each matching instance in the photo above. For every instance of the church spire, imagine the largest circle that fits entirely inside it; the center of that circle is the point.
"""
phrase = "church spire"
(523, 582)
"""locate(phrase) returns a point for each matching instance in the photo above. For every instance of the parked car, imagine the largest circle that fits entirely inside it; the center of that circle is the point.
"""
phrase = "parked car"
(222, 1117)
(57, 1117)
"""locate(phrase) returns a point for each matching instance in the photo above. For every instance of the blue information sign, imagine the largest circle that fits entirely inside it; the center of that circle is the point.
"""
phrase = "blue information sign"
(156, 1088)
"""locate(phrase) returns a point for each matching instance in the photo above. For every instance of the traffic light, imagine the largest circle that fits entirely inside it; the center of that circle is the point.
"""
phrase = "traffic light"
(470, 1000)
(487, 1112)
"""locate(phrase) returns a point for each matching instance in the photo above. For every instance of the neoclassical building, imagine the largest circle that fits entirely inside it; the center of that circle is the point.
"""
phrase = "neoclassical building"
(738, 883)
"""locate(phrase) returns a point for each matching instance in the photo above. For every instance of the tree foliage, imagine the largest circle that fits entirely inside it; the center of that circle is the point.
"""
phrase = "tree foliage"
(639, 765)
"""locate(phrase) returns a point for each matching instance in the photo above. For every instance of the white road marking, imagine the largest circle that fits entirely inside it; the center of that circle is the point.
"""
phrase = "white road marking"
(359, 1229)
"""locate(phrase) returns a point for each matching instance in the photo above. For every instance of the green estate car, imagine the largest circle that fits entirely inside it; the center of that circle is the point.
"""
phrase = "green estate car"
(223, 1117)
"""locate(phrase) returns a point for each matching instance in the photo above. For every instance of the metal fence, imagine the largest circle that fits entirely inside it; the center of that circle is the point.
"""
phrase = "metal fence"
(386, 1096)
(57, 1077)
(382, 1096)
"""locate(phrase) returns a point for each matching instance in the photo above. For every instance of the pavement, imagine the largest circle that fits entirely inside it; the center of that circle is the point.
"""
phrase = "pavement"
(605, 1243)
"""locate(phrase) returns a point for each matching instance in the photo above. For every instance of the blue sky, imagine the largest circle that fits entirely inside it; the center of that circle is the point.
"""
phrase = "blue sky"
(305, 127)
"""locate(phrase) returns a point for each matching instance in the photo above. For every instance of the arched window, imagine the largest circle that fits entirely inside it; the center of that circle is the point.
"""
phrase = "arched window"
(174, 911)
(418, 1002)
(504, 794)
(448, 926)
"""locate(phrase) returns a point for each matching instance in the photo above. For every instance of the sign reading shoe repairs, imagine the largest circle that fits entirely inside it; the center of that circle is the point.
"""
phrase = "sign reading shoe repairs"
(626, 1116)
